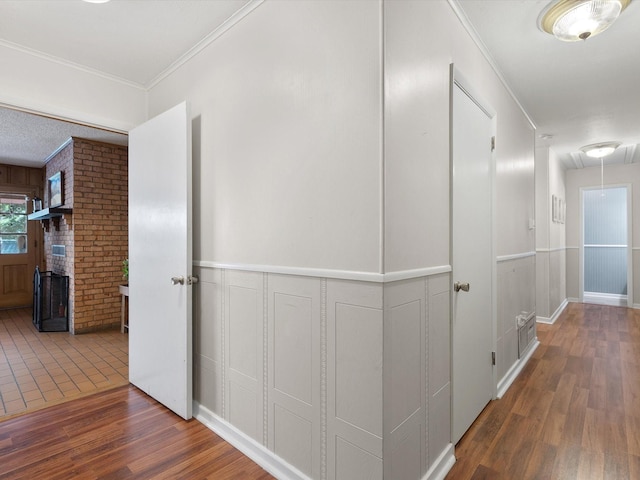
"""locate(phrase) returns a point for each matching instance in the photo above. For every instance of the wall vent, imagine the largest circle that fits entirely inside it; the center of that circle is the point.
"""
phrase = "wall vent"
(59, 250)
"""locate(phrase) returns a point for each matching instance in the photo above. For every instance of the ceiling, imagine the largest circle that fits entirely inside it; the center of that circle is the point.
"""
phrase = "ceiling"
(135, 41)
(575, 93)
(579, 93)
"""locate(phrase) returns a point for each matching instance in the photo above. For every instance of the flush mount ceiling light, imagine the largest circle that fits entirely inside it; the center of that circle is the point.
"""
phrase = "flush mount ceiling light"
(96, 1)
(599, 150)
(573, 20)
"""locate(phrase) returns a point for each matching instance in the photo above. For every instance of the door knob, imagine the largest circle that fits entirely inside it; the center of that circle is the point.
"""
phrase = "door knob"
(177, 280)
(461, 286)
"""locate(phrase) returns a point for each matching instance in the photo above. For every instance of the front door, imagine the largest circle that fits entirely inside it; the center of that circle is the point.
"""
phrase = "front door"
(18, 250)
(472, 261)
(160, 259)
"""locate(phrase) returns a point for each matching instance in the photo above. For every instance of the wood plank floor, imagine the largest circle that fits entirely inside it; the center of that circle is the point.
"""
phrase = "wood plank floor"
(118, 434)
(574, 411)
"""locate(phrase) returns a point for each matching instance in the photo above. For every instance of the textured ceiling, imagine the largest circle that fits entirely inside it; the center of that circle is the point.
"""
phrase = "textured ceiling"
(27, 139)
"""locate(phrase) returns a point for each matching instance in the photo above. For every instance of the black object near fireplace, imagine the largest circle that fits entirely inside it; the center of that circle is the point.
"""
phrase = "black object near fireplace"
(50, 301)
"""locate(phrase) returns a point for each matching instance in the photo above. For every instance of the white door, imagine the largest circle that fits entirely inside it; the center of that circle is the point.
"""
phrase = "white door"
(472, 260)
(160, 250)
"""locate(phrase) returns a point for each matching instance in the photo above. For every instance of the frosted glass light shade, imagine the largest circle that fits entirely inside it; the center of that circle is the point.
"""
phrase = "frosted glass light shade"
(599, 150)
(573, 20)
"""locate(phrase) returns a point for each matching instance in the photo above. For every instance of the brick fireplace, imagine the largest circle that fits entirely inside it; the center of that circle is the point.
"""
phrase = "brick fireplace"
(91, 243)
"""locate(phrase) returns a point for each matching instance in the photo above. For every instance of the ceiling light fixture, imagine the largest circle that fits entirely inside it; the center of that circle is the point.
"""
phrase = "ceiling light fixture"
(96, 1)
(599, 150)
(573, 20)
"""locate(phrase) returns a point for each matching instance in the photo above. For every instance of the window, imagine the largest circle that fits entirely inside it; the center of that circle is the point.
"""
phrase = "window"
(13, 224)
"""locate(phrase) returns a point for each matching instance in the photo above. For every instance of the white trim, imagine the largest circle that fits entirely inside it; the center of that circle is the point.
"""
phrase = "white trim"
(68, 63)
(206, 41)
(56, 112)
(328, 273)
(549, 250)
(383, 125)
(515, 370)
(605, 299)
(442, 464)
(416, 273)
(605, 246)
(556, 314)
(268, 460)
(58, 150)
(468, 26)
(574, 300)
(515, 256)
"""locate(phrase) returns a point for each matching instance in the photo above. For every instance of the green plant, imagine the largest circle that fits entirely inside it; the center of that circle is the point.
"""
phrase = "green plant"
(125, 269)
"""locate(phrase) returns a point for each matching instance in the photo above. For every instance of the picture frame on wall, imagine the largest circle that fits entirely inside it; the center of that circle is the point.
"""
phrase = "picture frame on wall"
(56, 190)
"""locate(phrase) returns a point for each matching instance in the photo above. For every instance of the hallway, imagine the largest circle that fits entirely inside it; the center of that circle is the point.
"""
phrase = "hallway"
(574, 411)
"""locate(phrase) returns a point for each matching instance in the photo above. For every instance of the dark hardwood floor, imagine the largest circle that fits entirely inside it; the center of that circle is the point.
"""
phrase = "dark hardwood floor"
(118, 434)
(574, 411)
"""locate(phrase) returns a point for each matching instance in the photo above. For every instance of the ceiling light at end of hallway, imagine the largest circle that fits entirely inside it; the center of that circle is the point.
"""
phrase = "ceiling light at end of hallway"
(573, 20)
(599, 150)
(96, 1)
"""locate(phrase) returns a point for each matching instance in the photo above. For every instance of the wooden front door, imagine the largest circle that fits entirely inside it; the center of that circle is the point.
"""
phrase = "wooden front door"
(19, 242)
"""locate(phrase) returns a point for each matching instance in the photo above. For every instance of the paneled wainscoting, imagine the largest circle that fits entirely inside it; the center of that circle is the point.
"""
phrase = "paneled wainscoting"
(326, 378)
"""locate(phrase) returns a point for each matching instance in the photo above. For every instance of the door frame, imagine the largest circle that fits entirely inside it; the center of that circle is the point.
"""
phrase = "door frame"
(457, 78)
(629, 189)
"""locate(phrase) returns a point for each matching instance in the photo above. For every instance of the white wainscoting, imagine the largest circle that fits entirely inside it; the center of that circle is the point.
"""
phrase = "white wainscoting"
(516, 276)
(329, 378)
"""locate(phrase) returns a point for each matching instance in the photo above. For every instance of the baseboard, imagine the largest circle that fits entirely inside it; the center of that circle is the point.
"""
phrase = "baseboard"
(515, 370)
(442, 465)
(605, 299)
(257, 452)
(556, 314)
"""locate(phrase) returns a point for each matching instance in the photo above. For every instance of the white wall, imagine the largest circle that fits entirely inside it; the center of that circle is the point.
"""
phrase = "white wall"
(551, 292)
(296, 166)
(287, 109)
(43, 85)
(321, 142)
(590, 177)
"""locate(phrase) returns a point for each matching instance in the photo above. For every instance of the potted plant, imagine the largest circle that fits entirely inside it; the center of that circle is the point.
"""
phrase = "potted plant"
(124, 289)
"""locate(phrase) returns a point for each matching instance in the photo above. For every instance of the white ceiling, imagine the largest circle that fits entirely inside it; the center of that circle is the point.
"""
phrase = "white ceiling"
(579, 93)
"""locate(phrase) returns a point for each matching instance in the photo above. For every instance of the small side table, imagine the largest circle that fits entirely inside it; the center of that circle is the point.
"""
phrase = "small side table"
(124, 321)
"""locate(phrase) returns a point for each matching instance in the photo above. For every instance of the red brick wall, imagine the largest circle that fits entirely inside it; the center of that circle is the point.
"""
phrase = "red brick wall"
(62, 162)
(99, 235)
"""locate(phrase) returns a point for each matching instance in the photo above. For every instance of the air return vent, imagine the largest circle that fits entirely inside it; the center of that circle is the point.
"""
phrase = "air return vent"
(58, 250)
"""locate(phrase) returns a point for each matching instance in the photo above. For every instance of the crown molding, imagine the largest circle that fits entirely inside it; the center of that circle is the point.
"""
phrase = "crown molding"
(206, 41)
(67, 63)
(473, 33)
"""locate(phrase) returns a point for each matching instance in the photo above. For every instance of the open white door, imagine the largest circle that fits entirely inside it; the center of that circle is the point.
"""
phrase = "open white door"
(160, 259)
(472, 261)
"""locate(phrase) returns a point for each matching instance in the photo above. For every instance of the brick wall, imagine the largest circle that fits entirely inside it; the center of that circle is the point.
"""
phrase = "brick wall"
(98, 194)
(61, 162)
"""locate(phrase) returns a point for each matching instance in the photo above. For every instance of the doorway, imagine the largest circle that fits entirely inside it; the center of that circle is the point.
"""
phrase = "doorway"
(19, 249)
(606, 255)
(472, 256)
